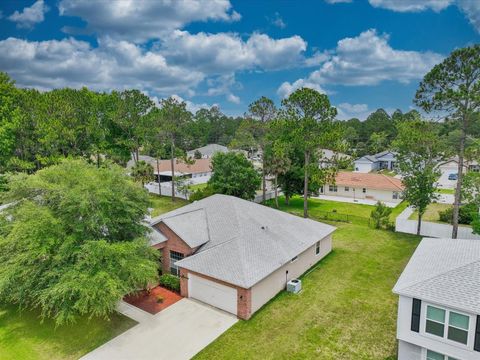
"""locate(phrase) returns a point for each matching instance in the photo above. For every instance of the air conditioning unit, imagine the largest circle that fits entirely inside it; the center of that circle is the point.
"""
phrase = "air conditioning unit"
(294, 286)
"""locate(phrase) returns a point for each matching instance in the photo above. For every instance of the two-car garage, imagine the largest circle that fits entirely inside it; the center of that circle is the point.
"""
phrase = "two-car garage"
(213, 293)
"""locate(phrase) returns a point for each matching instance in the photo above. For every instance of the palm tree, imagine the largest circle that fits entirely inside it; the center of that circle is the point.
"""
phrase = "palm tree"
(142, 172)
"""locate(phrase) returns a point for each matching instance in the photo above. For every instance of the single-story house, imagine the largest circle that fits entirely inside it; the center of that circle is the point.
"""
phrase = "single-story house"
(369, 186)
(439, 302)
(200, 170)
(450, 166)
(327, 156)
(383, 160)
(235, 254)
(208, 151)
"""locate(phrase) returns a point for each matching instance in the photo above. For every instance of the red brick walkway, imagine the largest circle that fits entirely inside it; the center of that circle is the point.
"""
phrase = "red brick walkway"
(149, 303)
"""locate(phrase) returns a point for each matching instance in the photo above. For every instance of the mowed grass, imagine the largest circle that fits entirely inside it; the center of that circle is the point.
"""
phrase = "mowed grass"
(346, 309)
(432, 212)
(163, 204)
(317, 207)
(446, 191)
(24, 336)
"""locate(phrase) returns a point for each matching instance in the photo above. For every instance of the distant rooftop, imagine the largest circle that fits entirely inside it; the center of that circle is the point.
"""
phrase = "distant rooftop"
(368, 180)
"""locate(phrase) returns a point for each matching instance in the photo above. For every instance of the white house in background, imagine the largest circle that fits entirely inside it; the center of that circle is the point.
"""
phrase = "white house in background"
(439, 302)
(365, 186)
(383, 160)
(327, 156)
(234, 254)
(451, 166)
(208, 151)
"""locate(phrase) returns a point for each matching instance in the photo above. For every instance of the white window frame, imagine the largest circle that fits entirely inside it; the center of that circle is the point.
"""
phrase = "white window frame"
(332, 188)
(445, 338)
(364, 190)
(395, 195)
(347, 189)
(445, 357)
(317, 248)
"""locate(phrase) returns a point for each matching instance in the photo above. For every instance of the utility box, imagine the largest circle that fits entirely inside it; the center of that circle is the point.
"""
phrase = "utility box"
(294, 286)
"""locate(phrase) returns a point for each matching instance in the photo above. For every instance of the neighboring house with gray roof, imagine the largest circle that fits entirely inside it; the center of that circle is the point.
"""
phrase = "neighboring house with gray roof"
(382, 160)
(208, 151)
(235, 254)
(439, 302)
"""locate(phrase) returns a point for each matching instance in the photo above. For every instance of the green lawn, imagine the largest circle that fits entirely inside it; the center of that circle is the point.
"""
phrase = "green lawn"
(446, 191)
(317, 208)
(163, 204)
(23, 335)
(198, 187)
(431, 214)
(345, 311)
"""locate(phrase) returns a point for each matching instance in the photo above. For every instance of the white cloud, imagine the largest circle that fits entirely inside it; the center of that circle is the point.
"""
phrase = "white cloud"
(471, 8)
(30, 15)
(286, 88)
(191, 106)
(226, 52)
(233, 98)
(347, 111)
(141, 20)
(278, 21)
(411, 5)
(338, 1)
(112, 65)
(368, 59)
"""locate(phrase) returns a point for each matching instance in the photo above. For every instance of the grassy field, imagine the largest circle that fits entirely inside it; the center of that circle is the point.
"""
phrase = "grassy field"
(446, 191)
(317, 208)
(346, 309)
(198, 187)
(163, 204)
(431, 214)
(23, 335)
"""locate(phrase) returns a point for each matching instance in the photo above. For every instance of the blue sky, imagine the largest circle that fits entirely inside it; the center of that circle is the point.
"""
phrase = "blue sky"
(363, 54)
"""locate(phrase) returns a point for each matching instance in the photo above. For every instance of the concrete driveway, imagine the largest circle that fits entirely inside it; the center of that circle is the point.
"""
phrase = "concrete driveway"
(443, 181)
(176, 333)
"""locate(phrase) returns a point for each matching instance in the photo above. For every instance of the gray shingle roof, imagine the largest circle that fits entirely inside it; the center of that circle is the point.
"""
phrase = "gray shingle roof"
(444, 271)
(155, 237)
(246, 241)
(209, 150)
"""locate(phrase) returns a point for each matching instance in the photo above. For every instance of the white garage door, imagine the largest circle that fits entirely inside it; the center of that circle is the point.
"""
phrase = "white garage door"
(212, 293)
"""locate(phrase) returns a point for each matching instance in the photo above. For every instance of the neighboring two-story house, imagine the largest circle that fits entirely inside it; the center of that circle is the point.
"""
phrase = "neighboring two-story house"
(439, 302)
(383, 160)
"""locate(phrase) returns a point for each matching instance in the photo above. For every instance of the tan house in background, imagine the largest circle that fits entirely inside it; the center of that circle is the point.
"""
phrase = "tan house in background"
(368, 186)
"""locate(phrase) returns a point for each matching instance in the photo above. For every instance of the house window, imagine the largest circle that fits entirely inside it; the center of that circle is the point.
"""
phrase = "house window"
(364, 190)
(395, 195)
(332, 188)
(457, 329)
(432, 355)
(317, 248)
(435, 324)
(347, 189)
(174, 257)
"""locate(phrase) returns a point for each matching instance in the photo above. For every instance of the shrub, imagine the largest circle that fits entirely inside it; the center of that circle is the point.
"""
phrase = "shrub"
(170, 281)
(201, 194)
(160, 299)
(380, 215)
(466, 214)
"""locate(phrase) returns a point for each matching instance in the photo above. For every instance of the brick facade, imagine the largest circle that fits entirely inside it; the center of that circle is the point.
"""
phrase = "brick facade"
(174, 243)
(244, 296)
